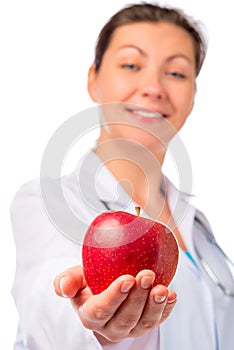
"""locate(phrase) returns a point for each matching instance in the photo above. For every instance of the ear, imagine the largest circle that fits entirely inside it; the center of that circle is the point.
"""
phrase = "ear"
(92, 75)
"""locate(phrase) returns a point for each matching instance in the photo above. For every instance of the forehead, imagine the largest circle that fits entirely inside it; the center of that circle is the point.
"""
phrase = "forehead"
(163, 34)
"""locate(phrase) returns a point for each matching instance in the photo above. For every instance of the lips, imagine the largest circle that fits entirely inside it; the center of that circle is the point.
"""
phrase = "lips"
(145, 114)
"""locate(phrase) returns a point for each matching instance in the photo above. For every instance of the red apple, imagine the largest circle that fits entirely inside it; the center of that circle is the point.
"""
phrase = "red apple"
(118, 243)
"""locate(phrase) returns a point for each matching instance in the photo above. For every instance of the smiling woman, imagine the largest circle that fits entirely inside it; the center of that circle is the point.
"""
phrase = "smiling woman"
(143, 79)
(152, 82)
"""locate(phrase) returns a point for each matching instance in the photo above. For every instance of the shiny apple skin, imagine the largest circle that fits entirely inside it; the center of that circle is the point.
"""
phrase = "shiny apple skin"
(118, 243)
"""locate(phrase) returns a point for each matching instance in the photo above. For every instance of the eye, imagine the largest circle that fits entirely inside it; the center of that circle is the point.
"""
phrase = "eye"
(131, 66)
(177, 75)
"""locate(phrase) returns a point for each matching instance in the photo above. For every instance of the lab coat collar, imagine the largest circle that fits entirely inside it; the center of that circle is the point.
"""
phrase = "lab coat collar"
(183, 213)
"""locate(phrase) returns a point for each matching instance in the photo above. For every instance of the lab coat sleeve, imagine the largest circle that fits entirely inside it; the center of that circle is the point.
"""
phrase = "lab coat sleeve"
(46, 320)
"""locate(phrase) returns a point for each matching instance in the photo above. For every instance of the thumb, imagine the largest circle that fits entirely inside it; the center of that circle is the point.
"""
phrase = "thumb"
(70, 282)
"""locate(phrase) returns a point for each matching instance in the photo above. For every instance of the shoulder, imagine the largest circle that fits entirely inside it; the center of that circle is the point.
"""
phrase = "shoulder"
(39, 190)
(26, 210)
(27, 193)
(33, 198)
(48, 206)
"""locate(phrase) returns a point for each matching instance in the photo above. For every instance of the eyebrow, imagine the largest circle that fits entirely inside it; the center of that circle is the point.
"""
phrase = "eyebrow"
(130, 46)
(179, 55)
(170, 58)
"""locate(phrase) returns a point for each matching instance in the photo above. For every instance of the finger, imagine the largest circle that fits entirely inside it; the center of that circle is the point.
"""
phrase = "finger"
(69, 282)
(171, 296)
(171, 301)
(153, 311)
(100, 308)
(131, 310)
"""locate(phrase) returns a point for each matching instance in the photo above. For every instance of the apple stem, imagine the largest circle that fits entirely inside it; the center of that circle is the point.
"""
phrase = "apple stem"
(138, 210)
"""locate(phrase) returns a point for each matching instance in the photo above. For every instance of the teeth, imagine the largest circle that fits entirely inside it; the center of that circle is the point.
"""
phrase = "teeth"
(148, 114)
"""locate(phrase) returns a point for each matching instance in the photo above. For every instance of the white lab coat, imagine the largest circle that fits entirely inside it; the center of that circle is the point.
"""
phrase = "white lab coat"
(47, 321)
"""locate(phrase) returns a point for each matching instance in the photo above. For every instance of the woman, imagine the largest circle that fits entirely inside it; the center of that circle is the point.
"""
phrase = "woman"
(144, 79)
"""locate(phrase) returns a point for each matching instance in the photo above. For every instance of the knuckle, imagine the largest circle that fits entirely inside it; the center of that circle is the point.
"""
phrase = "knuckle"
(127, 323)
(94, 315)
(147, 325)
(139, 300)
(101, 315)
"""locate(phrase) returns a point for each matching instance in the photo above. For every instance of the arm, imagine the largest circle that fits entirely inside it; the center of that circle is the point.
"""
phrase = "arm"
(46, 320)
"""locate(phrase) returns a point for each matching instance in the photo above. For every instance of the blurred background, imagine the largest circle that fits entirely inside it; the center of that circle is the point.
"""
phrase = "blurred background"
(46, 49)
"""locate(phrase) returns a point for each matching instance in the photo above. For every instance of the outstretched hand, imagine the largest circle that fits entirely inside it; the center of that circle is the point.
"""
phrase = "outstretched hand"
(129, 307)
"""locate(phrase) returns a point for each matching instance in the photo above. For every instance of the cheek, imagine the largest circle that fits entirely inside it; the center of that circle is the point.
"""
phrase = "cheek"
(185, 101)
(111, 88)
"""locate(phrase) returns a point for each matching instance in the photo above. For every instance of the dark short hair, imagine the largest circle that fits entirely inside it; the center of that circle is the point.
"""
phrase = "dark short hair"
(148, 12)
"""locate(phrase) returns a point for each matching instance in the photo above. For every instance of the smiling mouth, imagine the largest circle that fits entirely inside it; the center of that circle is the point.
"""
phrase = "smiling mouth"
(146, 114)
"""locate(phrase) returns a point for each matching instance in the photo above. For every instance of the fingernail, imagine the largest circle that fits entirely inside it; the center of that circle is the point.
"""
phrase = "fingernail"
(147, 281)
(159, 298)
(126, 286)
(61, 287)
(171, 301)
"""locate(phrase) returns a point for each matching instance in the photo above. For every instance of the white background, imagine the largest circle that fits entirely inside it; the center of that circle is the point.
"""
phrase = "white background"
(46, 49)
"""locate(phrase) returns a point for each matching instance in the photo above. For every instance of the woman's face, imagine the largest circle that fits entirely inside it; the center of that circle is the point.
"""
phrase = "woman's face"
(148, 71)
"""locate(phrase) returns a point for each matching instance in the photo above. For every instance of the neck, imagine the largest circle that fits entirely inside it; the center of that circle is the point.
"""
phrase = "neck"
(137, 168)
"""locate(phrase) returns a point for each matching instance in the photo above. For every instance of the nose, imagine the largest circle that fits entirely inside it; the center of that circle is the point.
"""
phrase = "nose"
(153, 87)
